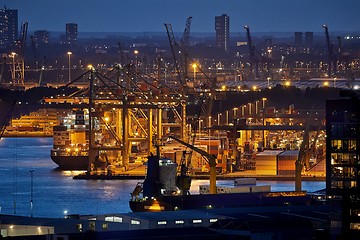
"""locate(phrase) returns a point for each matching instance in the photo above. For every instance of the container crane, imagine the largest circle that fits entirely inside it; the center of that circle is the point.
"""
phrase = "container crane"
(173, 44)
(19, 65)
(330, 47)
(180, 61)
(184, 43)
(253, 60)
(211, 160)
(304, 153)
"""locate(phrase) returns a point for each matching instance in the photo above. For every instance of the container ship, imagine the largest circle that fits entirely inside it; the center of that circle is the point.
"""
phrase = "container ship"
(71, 145)
(160, 192)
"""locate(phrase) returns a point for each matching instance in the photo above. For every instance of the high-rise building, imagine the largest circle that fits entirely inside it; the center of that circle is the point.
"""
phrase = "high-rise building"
(298, 39)
(309, 39)
(222, 31)
(8, 27)
(41, 37)
(343, 158)
(71, 33)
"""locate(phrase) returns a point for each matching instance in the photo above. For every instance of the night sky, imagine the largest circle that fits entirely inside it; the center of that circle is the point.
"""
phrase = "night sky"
(150, 15)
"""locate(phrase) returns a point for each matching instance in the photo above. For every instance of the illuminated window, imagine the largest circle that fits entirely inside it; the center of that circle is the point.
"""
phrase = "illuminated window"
(162, 223)
(113, 219)
(355, 226)
(79, 227)
(92, 226)
(105, 226)
(135, 222)
(179, 222)
(212, 220)
(197, 221)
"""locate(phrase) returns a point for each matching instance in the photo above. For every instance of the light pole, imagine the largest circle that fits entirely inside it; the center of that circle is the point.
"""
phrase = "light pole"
(13, 74)
(136, 52)
(219, 118)
(194, 67)
(31, 192)
(200, 127)
(235, 112)
(69, 54)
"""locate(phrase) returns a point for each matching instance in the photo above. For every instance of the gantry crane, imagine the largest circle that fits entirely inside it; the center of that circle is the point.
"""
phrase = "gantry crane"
(208, 157)
(253, 60)
(180, 60)
(173, 44)
(331, 57)
(18, 67)
(304, 153)
(184, 43)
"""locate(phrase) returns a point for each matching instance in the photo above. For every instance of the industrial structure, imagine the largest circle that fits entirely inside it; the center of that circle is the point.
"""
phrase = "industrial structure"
(126, 114)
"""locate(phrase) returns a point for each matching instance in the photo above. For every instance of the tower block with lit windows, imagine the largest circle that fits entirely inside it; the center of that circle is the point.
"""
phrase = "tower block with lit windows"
(343, 157)
(222, 31)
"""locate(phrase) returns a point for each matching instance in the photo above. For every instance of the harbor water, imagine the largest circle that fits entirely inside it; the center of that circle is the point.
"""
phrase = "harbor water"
(28, 175)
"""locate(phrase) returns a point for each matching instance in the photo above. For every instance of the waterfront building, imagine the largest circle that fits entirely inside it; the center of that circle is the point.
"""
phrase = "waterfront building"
(222, 31)
(343, 157)
(71, 33)
(8, 27)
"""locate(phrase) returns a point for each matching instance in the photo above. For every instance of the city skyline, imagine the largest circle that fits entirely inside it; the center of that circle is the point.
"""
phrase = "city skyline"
(150, 16)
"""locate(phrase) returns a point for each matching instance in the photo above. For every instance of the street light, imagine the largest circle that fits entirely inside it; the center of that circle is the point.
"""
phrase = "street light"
(31, 192)
(200, 121)
(235, 113)
(194, 67)
(136, 52)
(12, 55)
(69, 54)
(263, 100)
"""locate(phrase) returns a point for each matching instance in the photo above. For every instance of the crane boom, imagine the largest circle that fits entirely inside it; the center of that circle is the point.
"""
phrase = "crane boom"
(184, 43)
(208, 157)
(186, 35)
(253, 60)
(173, 43)
(330, 48)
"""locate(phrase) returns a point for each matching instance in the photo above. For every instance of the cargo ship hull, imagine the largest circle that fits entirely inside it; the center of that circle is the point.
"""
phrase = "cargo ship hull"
(223, 200)
(71, 162)
(161, 175)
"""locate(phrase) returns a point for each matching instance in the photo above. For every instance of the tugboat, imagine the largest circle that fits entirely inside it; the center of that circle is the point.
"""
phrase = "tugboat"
(163, 190)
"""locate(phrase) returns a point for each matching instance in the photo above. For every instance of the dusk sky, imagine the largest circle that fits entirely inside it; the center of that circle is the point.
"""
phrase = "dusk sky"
(150, 15)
